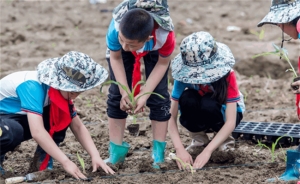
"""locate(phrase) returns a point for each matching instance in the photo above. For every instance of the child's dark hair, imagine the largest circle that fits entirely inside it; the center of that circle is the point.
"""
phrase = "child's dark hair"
(294, 22)
(137, 24)
(220, 89)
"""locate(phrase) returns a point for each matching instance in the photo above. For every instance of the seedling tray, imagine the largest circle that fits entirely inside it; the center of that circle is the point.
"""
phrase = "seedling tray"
(268, 130)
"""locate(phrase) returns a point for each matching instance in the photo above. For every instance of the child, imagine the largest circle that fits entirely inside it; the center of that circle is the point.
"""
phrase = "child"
(206, 92)
(38, 104)
(286, 15)
(138, 29)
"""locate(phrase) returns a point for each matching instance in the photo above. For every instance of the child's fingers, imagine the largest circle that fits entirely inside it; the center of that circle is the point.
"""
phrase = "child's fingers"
(191, 160)
(110, 170)
(179, 165)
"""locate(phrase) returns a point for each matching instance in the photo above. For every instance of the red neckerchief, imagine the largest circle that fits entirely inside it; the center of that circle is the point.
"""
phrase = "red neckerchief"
(136, 75)
(203, 89)
(298, 95)
(60, 117)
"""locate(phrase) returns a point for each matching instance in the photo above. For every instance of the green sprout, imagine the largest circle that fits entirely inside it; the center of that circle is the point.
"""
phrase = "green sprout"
(245, 95)
(281, 52)
(81, 161)
(174, 157)
(260, 34)
(133, 101)
(272, 149)
(89, 103)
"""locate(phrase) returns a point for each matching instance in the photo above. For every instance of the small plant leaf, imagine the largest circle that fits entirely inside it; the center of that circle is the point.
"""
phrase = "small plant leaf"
(261, 34)
(254, 32)
(184, 165)
(276, 47)
(151, 93)
(138, 83)
(81, 161)
(282, 52)
(118, 84)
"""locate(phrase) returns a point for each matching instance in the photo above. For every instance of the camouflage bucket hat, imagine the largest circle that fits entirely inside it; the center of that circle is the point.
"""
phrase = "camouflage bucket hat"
(282, 11)
(202, 60)
(74, 72)
(158, 9)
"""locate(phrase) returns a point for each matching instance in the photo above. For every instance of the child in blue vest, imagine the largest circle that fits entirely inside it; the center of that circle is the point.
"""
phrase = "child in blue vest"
(286, 15)
(139, 29)
(207, 95)
(38, 104)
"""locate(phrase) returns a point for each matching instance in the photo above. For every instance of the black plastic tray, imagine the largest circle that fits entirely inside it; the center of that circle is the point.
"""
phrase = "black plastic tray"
(269, 130)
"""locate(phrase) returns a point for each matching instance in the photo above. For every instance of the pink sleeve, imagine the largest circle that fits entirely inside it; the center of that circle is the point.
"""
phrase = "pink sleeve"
(167, 49)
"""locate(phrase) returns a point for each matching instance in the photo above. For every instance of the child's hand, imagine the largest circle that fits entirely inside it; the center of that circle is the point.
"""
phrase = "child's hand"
(185, 157)
(140, 103)
(71, 168)
(297, 83)
(202, 159)
(125, 104)
(96, 162)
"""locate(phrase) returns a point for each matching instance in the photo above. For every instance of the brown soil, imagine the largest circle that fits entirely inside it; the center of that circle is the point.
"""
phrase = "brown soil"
(32, 31)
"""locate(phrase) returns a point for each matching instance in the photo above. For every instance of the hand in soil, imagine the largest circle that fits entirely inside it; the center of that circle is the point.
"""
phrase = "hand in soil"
(185, 157)
(201, 159)
(98, 162)
(72, 169)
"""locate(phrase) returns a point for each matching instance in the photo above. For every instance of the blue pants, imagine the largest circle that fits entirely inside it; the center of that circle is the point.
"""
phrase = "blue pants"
(159, 108)
(15, 129)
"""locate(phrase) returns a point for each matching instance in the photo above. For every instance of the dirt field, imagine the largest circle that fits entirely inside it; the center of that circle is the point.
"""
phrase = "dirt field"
(32, 31)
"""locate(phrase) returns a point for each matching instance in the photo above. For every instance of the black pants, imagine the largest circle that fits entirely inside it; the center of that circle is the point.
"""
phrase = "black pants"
(15, 129)
(159, 108)
(201, 113)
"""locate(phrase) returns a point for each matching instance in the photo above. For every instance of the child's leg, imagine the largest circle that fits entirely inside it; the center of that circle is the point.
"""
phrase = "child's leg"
(199, 114)
(159, 109)
(190, 107)
(116, 117)
(12, 135)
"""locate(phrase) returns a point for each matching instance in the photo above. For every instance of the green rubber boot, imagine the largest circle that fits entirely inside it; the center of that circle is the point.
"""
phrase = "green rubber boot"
(117, 153)
(158, 153)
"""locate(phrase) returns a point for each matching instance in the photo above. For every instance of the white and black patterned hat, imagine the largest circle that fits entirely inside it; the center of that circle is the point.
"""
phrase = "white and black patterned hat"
(281, 11)
(75, 71)
(202, 60)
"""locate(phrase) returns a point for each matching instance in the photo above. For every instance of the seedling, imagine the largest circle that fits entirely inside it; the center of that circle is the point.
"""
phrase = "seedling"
(184, 165)
(245, 95)
(272, 149)
(281, 52)
(81, 161)
(260, 34)
(131, 97)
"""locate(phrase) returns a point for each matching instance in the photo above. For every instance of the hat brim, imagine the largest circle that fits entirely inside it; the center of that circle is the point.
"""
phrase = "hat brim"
(48, 74)
(222, 64)
(280, 15)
